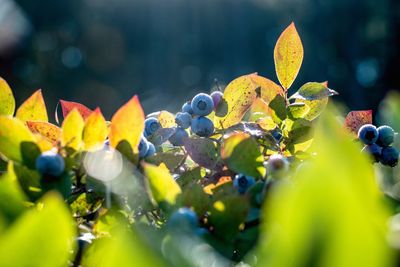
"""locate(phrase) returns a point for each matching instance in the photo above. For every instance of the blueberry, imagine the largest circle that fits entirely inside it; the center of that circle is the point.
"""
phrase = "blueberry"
(183, 119)
(187, 107)
(202, 126)
(143, 147)
(50, 163)
(151, 125)
(368, 134)
(202, 104)
(390, 156)
(277, 135)
(373, 150)
(216, 97)
(183, 219)
(276, 164)
(178, 137)
(151, 151)
(385, 135)
(106, 144)
(243, 182)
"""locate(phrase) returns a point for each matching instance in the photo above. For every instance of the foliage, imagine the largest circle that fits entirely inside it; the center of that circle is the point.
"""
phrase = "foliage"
(325, 209)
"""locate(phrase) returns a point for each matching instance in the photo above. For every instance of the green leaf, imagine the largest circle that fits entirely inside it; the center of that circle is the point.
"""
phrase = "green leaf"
(124, 249)
(239, 96)
(29, 181)
(171, 159)
(313, 91)
(299, 135)
(227, 214)
(241, 154)
(12, 195)
(189, 176)
(278, 109)
(316, 107)
(324, 217)
(297, 110)
(30, 151)
(12, 133)
(161, 135)
(288, 56)
(195, 197)
(162, 185)
(203, 151)
(40, 237)
(33, 109)
(7, 101)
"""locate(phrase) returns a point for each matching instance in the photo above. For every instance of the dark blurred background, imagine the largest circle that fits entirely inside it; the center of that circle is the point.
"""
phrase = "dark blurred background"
(102, 52)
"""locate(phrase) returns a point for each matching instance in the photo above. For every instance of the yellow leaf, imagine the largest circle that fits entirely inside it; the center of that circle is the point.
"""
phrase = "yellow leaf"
(7, 101)
(95, 131)
(12, 133)
(162, 185)
(33, 109)
(166, 119)
(127, 124)
(48, 130)
(288, 56)
(72, 129)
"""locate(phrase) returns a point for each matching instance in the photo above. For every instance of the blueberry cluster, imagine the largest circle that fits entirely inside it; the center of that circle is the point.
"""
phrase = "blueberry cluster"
(193, 115)
(378, 143)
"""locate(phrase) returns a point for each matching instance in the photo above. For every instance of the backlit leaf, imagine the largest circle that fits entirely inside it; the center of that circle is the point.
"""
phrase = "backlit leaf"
(242, 154)
(323, 216)
(239, 96)
(33, 109)
(45, 129)
(68, 106)
(162, 185)
(288, 56)
(355, 119)
(171, 159)
(95, 130)
(7, 101)
(72, 129)
(127, 124)
(12, 133)
(166, 119)
(31, 241)
(313, 91)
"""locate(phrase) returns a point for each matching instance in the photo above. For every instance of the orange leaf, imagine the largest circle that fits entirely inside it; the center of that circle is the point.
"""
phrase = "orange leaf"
(72, 129)
(33, 109)
(7, 101)
(95, 131)
(355, 119)
(45, 129)
(288, 56)
(68, 106)
(127, 124)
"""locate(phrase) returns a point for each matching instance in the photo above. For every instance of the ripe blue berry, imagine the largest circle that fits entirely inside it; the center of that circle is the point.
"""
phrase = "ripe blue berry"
(202, 104)
(178, 137)
(50, 163)
(187, 107)
(183, 119)
(385, 135)
(151, 125)
(390, 156)
(368, 134)
(202, 126)
(143, 147)
(151, 151)
(243, 182)
(373, 150)
(216, 97)
(277, 135)
(183, 219)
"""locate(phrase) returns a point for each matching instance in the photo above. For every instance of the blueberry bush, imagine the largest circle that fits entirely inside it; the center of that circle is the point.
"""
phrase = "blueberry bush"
(245, 176)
